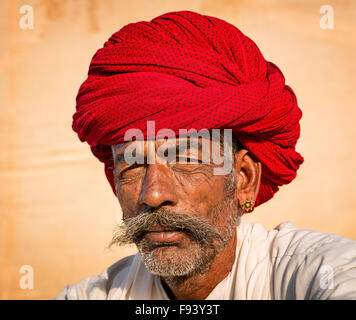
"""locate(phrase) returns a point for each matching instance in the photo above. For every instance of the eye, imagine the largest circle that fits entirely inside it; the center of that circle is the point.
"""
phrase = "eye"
(187, 165)
(132, 170)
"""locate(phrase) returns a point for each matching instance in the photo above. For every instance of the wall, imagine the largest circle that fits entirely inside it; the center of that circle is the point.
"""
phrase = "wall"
(57, 210)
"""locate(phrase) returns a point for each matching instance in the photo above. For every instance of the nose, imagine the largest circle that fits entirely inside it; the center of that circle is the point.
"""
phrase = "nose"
(158, 187)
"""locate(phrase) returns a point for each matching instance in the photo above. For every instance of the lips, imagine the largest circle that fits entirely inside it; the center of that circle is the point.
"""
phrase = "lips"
(164, 236)
(160, 234)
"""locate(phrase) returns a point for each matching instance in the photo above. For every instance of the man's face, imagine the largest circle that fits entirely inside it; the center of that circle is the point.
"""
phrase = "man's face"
(177, 212)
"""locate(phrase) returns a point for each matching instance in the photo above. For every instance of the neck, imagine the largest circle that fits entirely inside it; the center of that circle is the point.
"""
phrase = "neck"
(198, 287)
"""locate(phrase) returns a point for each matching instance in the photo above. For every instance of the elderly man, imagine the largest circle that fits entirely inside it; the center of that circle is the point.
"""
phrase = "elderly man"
(196, 128)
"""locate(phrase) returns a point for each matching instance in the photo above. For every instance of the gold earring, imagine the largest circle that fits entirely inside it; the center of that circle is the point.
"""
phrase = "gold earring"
(247, 205)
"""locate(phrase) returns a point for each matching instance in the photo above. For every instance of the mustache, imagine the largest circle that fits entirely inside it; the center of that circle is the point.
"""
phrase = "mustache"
(132, 230)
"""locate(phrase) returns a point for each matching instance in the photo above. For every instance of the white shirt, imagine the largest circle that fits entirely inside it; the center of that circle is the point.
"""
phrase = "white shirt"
(283, 263)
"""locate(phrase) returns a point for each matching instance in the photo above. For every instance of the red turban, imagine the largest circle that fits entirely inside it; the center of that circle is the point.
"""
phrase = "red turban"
(186, 70)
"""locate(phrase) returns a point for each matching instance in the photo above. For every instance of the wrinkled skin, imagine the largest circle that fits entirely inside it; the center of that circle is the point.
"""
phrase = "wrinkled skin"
(189, 188)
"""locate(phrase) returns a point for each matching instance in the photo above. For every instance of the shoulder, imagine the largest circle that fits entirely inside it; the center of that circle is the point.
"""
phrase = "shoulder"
(309, 264)
(97, 287)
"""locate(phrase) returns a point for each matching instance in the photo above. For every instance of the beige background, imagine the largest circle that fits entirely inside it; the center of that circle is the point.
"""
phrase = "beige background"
(57, 209)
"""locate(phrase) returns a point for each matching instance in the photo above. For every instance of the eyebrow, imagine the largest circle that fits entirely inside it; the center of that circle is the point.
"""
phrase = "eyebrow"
(120, 157)
(187, 146)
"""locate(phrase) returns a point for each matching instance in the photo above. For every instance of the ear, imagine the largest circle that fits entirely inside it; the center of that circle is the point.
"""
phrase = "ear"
(248, 176)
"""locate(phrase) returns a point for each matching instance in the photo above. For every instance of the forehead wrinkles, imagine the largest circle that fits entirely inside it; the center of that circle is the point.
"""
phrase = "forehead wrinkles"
(187, 145)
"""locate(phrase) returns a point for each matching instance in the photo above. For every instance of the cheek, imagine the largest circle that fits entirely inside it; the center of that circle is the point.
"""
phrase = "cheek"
(128, 199)
(201, 192)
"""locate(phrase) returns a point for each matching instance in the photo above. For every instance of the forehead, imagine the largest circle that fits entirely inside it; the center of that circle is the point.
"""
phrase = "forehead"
(180, 141)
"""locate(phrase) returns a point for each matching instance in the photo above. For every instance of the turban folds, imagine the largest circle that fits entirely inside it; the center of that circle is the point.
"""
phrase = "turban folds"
(186, 70)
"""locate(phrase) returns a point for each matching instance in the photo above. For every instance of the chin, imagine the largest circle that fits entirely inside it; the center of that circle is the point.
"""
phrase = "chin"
(174, 261)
